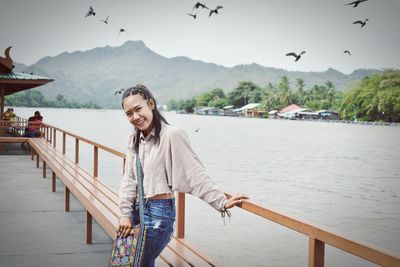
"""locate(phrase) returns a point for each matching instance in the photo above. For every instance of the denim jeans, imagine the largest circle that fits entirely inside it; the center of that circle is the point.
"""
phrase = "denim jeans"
(159, 217)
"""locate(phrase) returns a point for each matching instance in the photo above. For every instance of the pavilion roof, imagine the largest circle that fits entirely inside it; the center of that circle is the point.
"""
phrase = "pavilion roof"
(14, 82)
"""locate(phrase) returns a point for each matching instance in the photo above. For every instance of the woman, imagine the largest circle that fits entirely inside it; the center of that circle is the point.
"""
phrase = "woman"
(34, 122)
(169, 164)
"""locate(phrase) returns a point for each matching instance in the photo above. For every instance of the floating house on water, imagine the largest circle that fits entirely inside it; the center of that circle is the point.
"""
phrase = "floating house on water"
(328, 115)
(294, 112)
(208, 111)
(228, 110)
(250, 110)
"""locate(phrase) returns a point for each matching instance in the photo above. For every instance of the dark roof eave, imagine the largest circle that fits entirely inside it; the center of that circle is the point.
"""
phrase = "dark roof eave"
(12, 86)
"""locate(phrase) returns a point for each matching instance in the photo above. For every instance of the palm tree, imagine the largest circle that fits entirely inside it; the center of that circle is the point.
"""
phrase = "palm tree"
(330, 91)
(300, 90)
(284, 91)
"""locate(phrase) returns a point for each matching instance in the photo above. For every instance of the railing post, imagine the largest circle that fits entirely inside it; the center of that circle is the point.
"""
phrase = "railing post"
(76, 150)
(55, 137)
(47, 133)
(53, 182)
(37, 160)
(50, 136)
(44, 169)
(66, 206)
(316, 253)
(123, 166)
(89, 220)
(64, 143)
(96, 161)
(180, 228)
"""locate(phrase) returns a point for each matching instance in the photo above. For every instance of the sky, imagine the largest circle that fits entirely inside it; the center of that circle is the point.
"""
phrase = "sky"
(244, 32)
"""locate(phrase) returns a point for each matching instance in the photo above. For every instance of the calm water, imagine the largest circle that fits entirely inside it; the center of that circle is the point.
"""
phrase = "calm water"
(345, 178)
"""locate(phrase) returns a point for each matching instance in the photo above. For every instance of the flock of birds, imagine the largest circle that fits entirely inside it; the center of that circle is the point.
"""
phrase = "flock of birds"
(199, 5)
(361, 22)
(195, 10)
(91, 12)
(203, 5)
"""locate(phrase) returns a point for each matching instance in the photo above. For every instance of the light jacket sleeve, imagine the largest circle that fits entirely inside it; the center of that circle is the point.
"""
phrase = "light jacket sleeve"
(127, 190)
(188, 173)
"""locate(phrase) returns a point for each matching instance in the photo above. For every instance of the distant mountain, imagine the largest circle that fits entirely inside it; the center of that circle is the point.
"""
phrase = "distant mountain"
(95, 74)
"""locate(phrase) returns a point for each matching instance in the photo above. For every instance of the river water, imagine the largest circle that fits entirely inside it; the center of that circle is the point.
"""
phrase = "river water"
(342, 177)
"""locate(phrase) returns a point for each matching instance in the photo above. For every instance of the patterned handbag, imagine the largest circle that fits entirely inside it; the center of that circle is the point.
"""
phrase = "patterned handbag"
(128, 251)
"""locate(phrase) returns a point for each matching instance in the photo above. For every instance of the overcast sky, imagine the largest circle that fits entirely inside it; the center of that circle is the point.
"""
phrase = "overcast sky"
(244, 32)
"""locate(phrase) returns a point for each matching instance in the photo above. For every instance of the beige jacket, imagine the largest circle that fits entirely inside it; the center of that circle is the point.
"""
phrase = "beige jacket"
(169, 164)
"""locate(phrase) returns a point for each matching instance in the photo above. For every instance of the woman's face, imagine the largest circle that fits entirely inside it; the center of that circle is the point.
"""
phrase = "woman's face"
(139, 112)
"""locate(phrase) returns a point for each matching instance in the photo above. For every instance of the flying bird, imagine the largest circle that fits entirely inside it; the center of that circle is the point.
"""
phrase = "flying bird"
(295, 55)
(192, 15)
(355, 3)
(106, 20)
(198, 4)
(121, 30)
(362, 23)
(347, 51)
(197, 130)
(119, 91)
(90, 12)
(215, 10)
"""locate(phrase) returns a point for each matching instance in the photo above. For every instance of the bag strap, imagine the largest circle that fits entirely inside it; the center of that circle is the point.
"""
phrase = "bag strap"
(141, 237)
(139, 172)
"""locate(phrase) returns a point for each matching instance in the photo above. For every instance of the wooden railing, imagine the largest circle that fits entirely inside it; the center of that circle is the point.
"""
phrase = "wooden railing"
(318, 237)
(17, 127)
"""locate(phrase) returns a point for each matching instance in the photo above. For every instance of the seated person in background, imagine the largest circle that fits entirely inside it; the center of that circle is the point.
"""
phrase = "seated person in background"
(34, 122)
(9, 118)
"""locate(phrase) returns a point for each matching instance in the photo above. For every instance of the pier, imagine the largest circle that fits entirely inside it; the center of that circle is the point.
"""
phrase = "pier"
(60, 204)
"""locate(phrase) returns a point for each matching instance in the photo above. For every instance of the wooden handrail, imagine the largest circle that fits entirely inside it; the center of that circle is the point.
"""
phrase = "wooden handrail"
(318, 236)
(90, 142)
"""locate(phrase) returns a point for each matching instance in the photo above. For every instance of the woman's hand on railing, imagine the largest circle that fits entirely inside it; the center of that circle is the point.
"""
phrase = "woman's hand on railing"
(235, 200)
(125, 226)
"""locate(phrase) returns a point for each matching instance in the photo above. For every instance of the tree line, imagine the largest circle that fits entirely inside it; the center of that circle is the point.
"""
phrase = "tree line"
(32, 98)
(271, 97)
(375, 98)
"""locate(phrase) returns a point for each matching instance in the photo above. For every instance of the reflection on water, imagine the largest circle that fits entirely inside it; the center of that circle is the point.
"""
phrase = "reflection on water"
(342, 177)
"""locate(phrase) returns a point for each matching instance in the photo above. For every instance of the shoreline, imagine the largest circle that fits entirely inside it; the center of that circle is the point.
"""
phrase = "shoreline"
(312, 120)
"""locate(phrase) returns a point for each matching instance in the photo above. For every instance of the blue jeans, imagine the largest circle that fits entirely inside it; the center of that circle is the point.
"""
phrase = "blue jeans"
(159, 217)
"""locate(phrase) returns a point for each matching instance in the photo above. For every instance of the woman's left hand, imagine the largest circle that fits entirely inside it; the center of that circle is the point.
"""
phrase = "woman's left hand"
(235, 200)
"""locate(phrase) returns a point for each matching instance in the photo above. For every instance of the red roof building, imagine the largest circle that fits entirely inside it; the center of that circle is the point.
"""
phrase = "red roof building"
(290, 108)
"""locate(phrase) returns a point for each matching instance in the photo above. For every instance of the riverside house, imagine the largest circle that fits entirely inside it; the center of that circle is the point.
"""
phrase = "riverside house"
(250, 110)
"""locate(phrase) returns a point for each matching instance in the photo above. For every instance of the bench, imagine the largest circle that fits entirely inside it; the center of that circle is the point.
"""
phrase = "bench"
(7, 139)
(101, 203)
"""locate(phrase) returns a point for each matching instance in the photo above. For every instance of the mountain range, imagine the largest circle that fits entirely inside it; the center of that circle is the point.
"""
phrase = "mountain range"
(94, 75)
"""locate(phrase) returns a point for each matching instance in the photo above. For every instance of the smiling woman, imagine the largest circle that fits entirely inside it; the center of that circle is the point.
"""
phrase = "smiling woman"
(168, 164)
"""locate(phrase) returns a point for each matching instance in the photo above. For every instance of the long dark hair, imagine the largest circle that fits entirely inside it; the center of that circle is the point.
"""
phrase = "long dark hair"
(157, 117)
